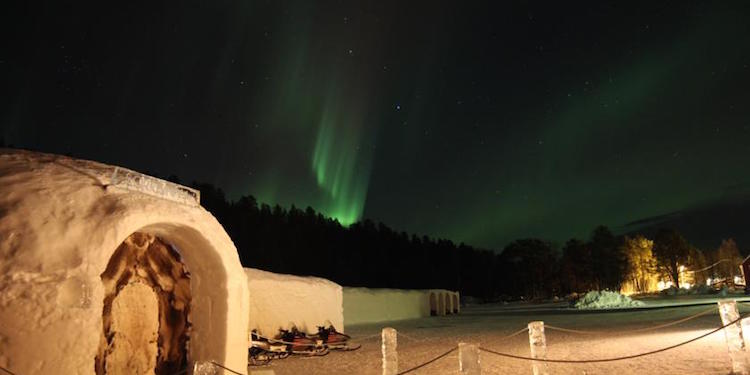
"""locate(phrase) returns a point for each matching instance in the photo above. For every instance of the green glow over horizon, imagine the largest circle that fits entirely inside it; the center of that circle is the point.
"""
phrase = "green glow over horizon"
(340, 167)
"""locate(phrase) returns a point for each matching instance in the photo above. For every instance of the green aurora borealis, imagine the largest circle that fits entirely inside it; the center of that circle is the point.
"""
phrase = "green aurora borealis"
(479, 123)
(341, 167)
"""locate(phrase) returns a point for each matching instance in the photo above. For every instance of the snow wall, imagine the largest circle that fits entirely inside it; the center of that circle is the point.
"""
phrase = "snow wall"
(61, 221)
(282, 301)
(364, 305)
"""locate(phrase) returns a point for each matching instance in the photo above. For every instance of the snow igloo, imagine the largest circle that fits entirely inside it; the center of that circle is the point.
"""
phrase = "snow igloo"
(282, 301)
(443, 302)
(107, 271)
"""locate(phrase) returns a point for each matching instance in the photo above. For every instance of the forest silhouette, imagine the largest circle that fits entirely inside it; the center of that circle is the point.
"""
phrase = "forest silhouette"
(369, 254)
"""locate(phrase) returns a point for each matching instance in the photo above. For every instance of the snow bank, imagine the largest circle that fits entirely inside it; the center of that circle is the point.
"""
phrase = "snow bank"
(280, 301)
(364, 305)
(61, 220)
(606, 300)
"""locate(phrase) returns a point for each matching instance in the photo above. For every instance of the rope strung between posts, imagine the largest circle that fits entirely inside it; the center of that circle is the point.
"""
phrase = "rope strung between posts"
(611, 359)
(226, 368)
(586, 332)
(7, 371)
(365, 338)
(415, 368)
(514, 334)
(412, 338)
(520, 331)
(401, 334)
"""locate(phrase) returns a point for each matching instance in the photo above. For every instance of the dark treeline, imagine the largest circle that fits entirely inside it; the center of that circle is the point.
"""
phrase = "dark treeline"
(304, 242)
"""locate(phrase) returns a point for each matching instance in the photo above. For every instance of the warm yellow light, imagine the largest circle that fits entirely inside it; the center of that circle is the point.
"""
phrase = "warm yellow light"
(661, 285)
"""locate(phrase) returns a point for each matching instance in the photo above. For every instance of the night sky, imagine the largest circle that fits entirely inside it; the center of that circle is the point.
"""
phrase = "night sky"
(479, 123)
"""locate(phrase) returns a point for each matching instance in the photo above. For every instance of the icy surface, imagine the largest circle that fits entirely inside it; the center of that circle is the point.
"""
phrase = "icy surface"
(538, 347)
(389, 348)
(131, 180)
(606, 300)
(60, 223)
(468, 358)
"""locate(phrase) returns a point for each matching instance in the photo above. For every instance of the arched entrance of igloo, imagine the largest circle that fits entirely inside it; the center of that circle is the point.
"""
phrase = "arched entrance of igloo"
(433, 305)
(146, 314)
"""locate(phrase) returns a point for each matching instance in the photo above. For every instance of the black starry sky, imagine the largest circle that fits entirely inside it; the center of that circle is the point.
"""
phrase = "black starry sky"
(481, 122)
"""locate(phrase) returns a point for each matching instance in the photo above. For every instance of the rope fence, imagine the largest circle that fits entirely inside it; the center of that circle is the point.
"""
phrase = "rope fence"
(226, 368)
(614, 358)
(514, 334)
(637, 330)
(727, 310)
(365, 338)
(435, 359)
(732, 323)
(415, 368)
(411, 338)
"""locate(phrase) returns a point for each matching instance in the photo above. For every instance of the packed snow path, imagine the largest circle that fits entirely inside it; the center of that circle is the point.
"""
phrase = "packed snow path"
(422, 339)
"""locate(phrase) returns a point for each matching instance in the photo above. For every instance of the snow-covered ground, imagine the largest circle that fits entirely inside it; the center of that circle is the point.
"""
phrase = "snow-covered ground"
(487, 325)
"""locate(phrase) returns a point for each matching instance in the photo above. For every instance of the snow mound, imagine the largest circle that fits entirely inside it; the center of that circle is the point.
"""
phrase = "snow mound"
(596, 299)
(282, 301)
